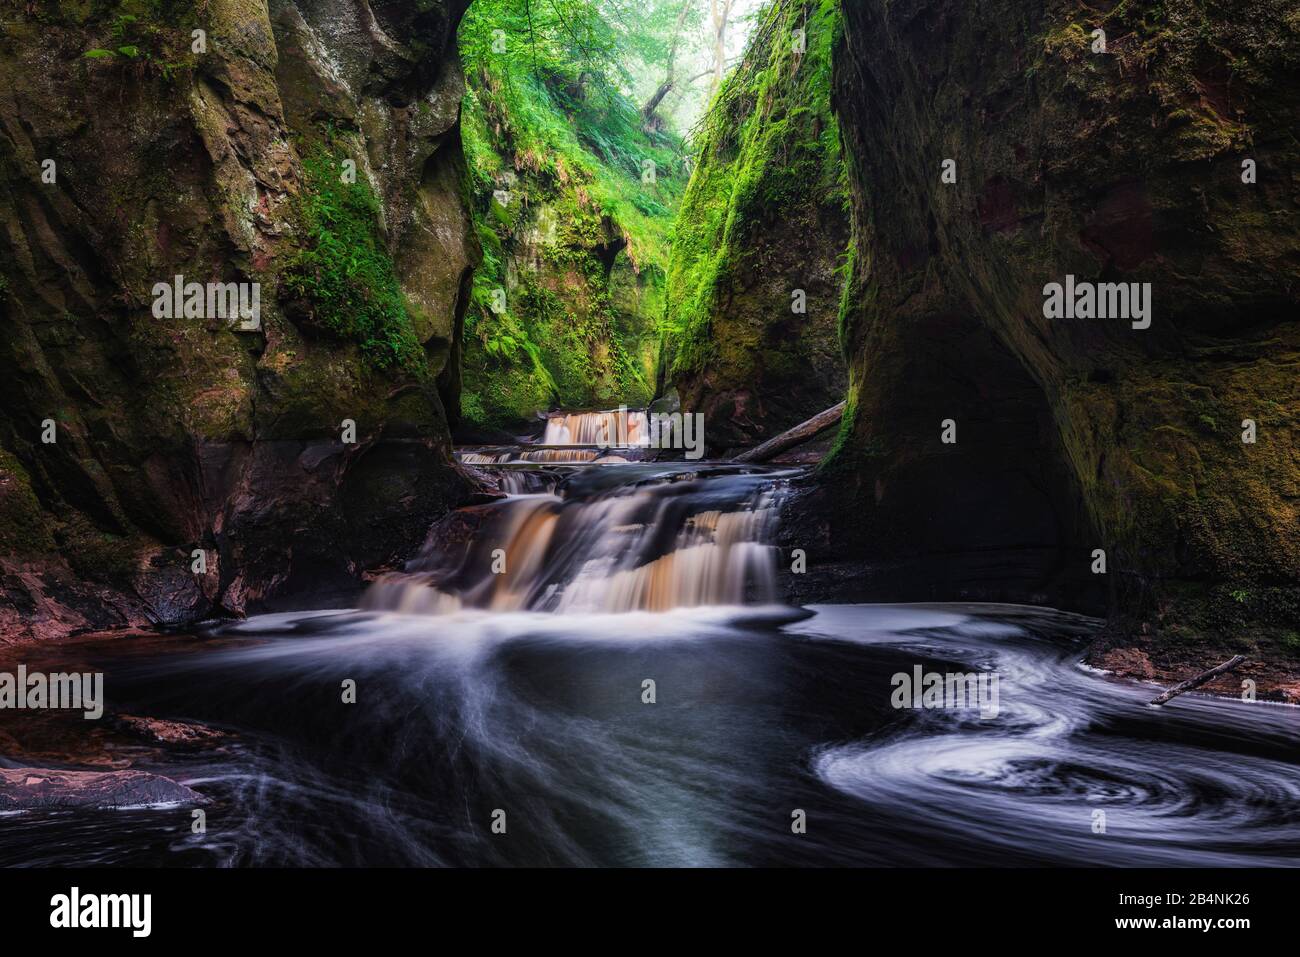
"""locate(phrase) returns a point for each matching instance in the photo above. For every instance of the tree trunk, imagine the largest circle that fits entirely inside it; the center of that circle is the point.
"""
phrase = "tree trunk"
(721, 13)
(652, 104)
(791, 437)
(666, 86)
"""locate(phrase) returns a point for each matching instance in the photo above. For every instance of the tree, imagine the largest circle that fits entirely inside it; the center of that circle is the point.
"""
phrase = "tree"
(670, 65)
(720, 12)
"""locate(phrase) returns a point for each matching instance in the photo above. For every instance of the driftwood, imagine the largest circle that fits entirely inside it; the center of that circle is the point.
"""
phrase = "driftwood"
(791, 437)
(1230, 665)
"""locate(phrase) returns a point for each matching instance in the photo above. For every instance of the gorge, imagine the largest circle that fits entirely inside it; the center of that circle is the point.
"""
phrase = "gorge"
(489, 263)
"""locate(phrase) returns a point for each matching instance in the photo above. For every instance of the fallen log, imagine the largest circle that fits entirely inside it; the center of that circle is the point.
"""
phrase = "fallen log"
(1230, 665)
(791, 437)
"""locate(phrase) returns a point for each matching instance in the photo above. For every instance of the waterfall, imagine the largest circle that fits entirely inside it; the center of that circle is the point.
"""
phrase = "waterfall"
(674, 540)
(586, 528)
(484, 458)
(717, 558)
(619, 428)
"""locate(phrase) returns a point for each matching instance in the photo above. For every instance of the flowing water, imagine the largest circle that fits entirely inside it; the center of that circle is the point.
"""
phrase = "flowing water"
(525, 690)
(619, 427)
(613, 538)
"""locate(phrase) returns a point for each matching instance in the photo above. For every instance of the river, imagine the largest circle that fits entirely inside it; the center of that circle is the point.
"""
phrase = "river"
(626, 688)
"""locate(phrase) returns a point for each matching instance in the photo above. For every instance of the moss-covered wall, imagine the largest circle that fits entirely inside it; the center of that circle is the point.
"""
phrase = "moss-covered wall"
(760, 245)
(1121, 166)
(220, 157)
(573, 223)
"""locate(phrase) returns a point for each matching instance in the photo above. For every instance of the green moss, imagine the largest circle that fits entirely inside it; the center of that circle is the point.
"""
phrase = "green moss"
(769, 144)
(578, 249)
(836, 460)
(101, 556)
(151, 34)
(1170, 48)
(343, 282)
(23, 529)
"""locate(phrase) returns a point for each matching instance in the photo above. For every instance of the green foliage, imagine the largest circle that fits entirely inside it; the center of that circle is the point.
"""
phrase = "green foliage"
(557, 112)
(343, 281)
(153, 33)
(768, 142)
(22, 522)
(548, 119)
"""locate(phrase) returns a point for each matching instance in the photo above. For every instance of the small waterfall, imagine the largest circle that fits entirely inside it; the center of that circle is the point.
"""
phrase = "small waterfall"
(573, 456)
(559, 455)
(619, 428)
(526, 481)
(484, 458)
(673, 541)
(719, 558)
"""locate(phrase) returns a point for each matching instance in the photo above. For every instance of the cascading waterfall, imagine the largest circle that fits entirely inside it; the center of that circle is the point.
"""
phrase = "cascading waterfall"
(484, 458)
(526, 481)
(618, 428)
(611, 438)
(653, 538)
(559, 455)
(719, 558)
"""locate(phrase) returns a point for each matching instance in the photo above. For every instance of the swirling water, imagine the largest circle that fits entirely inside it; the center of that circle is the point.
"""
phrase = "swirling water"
(755, 717)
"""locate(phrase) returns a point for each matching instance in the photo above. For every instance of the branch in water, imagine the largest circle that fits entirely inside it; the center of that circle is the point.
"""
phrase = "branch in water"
(1230, 665)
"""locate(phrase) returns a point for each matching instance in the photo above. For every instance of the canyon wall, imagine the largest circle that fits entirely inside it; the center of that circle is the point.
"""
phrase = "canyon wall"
(311, 147)
(756, 271)
(572, 193)
(1167, 157)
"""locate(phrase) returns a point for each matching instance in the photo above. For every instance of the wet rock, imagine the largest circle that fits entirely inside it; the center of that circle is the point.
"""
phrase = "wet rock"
(1075, 434)
(169, 732)
(756, 271)
(26, 789)
(1129, 662)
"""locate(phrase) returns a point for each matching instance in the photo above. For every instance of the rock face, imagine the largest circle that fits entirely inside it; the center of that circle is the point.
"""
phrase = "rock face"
(755, 276)
(134, 149)
(1085, 433)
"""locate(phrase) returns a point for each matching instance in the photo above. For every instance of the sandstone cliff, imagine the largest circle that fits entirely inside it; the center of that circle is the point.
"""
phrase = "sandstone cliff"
(212, 141)
(573, 194)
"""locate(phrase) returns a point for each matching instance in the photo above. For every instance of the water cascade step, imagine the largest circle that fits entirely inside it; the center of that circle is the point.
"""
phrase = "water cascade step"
(596, 532)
